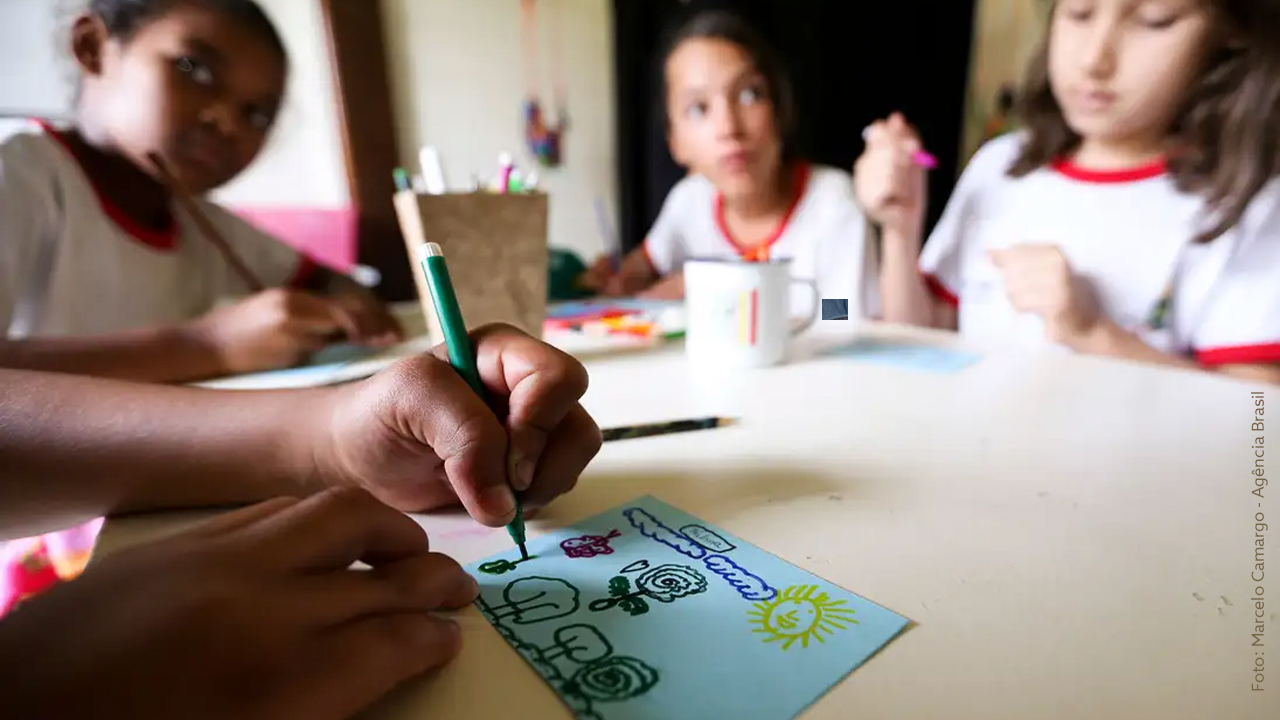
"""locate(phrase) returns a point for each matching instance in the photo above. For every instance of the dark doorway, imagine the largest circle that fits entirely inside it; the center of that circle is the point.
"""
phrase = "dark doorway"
(851, 63)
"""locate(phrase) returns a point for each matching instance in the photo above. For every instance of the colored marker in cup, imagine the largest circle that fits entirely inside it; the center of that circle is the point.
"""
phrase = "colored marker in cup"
(919, 157)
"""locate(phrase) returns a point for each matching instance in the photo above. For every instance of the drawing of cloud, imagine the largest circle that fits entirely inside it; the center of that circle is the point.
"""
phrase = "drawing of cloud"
(748, 586)
(652, 527)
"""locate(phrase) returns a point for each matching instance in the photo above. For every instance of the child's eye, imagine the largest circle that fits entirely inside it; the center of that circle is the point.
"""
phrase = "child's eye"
(1156, 21)
(261, 119)
(696, 110)
(1078, 11)
(749, 96)
(198, 71)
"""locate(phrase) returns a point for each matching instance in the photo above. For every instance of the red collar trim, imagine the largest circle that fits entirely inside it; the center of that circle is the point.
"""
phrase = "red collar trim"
(1153, 169)
(165, 239)
(760, 252)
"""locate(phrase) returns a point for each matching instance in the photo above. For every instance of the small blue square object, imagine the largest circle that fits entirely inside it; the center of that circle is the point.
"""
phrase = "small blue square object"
(835, 309)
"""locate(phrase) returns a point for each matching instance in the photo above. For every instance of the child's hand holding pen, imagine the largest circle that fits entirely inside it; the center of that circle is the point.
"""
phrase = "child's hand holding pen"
(374, 324)
(889, 177)
(272, 329)
(437, 443)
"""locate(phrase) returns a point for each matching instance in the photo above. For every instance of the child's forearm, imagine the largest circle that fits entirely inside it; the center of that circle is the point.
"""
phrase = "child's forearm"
(905, 298)
(160, 355)
(1110, 340)
(74, 448)
(636, 273)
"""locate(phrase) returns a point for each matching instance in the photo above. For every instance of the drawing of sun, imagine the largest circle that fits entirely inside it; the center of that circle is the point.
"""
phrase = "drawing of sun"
(799, 614)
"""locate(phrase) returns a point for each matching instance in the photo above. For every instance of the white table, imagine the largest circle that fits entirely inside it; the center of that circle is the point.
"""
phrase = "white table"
(1072, 536)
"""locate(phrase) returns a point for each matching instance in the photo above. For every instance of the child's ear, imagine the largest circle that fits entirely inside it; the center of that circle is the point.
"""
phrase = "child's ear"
(88, 43)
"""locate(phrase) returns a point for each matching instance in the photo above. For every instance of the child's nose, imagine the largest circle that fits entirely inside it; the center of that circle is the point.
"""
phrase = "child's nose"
(223, 117)
(1099, 51)
(728, 120)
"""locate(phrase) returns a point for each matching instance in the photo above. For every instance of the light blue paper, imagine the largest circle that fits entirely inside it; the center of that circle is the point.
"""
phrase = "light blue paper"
(340, 353)
(914, 357)
(644, 613)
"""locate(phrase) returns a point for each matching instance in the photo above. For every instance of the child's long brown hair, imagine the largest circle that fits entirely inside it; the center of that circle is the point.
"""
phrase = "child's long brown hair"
(1225, 140)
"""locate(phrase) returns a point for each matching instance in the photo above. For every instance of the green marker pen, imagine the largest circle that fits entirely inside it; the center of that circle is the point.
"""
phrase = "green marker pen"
(461, 355)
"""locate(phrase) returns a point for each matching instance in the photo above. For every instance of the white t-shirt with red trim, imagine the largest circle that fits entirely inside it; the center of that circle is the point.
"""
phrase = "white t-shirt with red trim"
(823, 235)
(72, 264)
(1130, 233)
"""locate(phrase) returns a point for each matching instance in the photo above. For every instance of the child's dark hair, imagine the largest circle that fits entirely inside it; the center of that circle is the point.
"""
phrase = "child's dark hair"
(728, 27)
(1225, 140)
(123, 18)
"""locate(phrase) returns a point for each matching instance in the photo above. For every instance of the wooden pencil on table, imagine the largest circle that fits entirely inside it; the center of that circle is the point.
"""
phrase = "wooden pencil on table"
(664, 428)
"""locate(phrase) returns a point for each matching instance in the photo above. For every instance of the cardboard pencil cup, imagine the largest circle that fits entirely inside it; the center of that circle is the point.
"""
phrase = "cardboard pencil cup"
(496, 248)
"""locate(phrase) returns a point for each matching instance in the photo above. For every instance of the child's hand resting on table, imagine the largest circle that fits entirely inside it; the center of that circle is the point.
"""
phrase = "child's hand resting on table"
(254, 615)
(1038, 280)
(890, 185)
(373, 321)
(279, 328)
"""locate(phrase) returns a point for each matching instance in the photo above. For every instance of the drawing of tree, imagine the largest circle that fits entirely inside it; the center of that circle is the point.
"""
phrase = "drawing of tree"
(580, 643)
(612, 679)
(536, 599)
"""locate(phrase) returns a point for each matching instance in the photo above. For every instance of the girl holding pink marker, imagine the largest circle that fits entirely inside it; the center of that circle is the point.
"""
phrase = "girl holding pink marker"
(1136, 215)
(748, 194)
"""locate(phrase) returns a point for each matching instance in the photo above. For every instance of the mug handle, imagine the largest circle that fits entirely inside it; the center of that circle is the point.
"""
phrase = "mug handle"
(816, 305)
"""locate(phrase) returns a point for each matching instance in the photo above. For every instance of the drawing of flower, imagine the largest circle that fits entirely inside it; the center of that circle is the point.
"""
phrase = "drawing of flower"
(612, 679)
(665, 583)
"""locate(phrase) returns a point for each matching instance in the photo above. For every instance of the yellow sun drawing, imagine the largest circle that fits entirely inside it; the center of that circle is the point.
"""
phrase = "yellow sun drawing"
(799, 613)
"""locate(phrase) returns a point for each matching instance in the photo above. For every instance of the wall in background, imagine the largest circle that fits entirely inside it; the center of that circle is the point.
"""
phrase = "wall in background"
(35, 65)
(456, 68)
(1006, 35)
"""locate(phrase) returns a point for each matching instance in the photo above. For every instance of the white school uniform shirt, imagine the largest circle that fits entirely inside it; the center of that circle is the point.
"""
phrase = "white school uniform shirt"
(823, 234)
(1130, 233)
(72, 264)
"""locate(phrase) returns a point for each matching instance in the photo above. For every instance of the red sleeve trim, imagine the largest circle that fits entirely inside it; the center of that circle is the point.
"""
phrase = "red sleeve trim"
(1265, 353)
(940, 291)
(302, 273)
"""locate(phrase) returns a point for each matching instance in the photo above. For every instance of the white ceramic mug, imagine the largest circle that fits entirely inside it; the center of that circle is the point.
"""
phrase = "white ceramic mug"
(739, 312)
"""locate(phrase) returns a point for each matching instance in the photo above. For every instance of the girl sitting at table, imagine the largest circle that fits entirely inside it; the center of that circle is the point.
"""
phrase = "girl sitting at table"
(101, 275)
(748, 195)
(1136, 216)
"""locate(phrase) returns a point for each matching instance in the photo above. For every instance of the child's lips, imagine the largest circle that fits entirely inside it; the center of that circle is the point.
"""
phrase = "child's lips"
(208, 159)
(735, 161)
(1094, 100)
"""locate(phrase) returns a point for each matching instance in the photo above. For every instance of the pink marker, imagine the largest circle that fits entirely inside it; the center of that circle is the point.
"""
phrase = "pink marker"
(919, 157)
